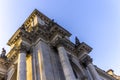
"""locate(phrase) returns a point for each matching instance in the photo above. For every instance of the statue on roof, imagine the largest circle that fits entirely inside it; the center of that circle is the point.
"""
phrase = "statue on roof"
(3, 53)
(51, 23)
(77, 42)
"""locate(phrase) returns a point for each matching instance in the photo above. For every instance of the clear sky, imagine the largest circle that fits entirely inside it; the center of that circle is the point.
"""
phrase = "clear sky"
(96, 22)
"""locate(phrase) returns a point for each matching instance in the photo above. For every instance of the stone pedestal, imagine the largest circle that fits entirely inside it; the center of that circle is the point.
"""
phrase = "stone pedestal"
(68, 72)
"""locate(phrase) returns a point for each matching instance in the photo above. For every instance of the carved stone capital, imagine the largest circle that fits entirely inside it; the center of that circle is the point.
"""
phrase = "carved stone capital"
(23, 48)
(87, 60)
(59, 43)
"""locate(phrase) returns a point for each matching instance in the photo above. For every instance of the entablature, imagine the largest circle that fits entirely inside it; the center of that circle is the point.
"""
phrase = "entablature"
(70, 46)
(57, 29)
(83, 46)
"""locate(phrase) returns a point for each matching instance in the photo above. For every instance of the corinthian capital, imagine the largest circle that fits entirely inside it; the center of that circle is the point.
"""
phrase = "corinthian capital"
(87, 60)
(23, 48)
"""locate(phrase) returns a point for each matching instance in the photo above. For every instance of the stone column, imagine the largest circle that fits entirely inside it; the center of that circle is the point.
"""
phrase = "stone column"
(88, 62)
(68, 72)
(21, 74)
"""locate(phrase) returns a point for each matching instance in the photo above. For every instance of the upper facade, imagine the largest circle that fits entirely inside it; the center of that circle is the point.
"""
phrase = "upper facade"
(41, 50)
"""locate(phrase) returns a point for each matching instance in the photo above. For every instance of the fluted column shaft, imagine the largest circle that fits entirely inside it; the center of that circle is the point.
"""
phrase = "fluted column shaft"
(93, 72)
(68, 72)
(21, 74)
(22, 66)
(91, 68)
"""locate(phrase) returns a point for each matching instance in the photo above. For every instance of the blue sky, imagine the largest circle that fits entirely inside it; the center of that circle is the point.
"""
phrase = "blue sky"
(96, 22)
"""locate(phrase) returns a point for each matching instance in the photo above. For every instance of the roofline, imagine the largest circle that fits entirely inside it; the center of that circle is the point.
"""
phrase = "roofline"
(37, 13)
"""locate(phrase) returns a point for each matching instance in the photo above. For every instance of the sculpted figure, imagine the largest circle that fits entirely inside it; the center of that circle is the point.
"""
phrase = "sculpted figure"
(77, 42)
(3, 53)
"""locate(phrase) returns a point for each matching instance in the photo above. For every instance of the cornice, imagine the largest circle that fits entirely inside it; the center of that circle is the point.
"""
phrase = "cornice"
(15, 36)
(83, 46)
(69, 46)
(57, 29)
(20, 34)
(104, 73)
